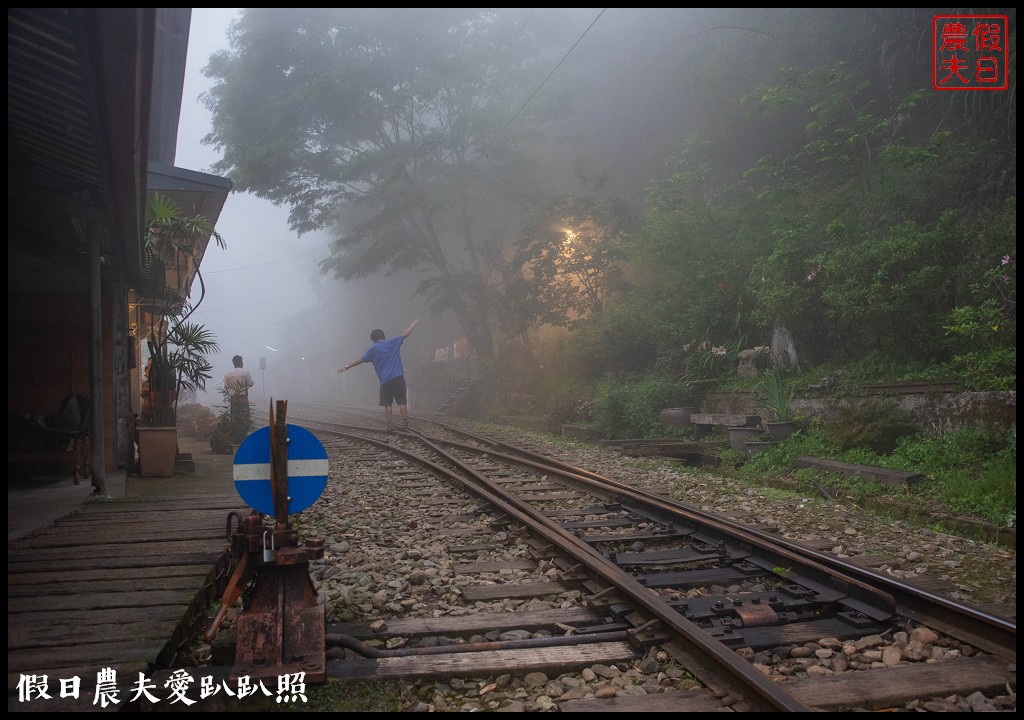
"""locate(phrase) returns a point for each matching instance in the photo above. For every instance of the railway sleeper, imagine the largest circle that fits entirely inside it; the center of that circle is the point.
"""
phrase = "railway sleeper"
(572, 574)
(734, 635)
(604, 523)
(465, 634)
(690, 579)
(697, 553)
(371, 650)
(483, 664)
(751, 608)
(634, 537)
(607, 509)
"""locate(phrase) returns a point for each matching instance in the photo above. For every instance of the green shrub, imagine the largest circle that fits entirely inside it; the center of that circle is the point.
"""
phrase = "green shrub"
(975, 470)
(966, 449)
(991, 493)
(196, 418)
(994, 369)
(874, 425)
(193, 411)
(222, 437)
(567, 402)
(631, 408)
(969, 471)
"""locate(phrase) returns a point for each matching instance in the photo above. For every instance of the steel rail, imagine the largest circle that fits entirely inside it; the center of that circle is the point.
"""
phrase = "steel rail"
(988, 632)
(726, 667)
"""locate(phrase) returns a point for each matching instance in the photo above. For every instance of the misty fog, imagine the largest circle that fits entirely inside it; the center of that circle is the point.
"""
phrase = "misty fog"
(641, 94)
(625, 122)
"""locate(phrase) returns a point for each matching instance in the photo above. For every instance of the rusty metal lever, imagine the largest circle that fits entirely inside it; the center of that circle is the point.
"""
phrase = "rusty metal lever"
(239, 580)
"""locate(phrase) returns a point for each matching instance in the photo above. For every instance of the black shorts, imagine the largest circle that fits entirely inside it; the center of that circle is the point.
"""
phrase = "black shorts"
(393, 391)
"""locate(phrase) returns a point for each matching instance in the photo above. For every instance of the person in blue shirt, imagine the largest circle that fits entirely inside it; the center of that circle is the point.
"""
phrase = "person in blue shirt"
(386, 356)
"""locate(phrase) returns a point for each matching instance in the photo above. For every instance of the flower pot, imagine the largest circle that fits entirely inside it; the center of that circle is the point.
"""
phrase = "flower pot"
(158, 449)
(676, 417)
(755, 447)
(739, 434)
(780, 429)
(221, 447)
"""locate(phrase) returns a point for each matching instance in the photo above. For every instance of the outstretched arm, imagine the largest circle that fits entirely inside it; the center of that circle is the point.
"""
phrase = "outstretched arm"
(410, 328)
(352, 364)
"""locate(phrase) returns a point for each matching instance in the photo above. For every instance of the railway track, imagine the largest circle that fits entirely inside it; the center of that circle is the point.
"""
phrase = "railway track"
(621, 600)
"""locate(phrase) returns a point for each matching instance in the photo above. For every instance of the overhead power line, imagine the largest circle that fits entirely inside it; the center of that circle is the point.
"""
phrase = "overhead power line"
(534, 94)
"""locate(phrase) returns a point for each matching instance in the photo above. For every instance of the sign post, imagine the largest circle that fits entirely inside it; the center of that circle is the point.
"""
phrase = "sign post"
(307, 470)
(281, 629)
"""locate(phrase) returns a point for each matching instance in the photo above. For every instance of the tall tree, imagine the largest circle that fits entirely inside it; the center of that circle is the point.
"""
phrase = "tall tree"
(568, 261)
(404, 130)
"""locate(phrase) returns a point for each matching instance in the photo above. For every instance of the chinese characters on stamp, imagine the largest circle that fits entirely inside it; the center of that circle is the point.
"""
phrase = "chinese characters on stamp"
(291, 687)
(970, 52)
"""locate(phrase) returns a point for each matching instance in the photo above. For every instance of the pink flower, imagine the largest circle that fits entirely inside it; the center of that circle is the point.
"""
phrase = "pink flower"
(1006, 278)
(1006, 260)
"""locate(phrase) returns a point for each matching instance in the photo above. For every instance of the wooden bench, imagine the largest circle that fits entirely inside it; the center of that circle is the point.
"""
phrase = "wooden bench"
(63, 437)
(76, 455)
(704, 424)
(888, 476)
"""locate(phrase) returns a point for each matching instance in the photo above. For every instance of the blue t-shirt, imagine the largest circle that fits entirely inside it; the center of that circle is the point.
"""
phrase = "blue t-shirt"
(386, 357)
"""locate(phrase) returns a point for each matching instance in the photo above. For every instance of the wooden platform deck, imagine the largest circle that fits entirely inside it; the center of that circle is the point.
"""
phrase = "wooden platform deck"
(120, 584)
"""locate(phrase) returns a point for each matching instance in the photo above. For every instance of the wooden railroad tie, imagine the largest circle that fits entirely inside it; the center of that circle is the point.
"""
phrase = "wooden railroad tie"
(867, 473)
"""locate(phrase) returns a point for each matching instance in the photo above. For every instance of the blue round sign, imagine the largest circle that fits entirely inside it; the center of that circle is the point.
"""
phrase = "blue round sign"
(307, 470)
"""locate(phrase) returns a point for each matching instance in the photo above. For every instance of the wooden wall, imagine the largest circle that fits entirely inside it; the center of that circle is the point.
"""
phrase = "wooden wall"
(48, 356)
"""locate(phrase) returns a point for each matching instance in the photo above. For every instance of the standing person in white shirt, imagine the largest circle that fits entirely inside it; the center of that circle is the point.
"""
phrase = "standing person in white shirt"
(237, 382)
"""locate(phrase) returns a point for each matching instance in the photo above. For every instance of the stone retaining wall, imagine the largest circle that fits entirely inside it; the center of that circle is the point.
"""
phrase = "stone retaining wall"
(937, 413)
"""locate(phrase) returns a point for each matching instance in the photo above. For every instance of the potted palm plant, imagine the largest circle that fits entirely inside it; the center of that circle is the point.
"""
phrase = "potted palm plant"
(222, 440)
(177, 366)
(777, 396)
(173, 237)
(179, 350)
(232, 428)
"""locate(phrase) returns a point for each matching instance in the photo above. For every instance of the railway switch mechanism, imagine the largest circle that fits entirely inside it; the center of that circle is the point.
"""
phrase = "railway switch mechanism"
(281, 626)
